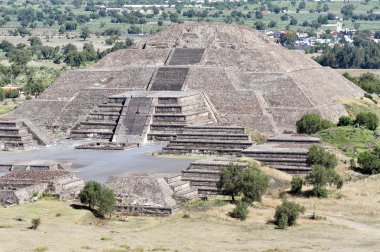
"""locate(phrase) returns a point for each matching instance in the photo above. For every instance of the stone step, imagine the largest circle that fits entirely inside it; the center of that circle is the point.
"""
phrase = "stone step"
(181, 150)
(109, 109)
(161, 136)
(223, 144)
(276, 153)
(9, 124)
(182, 118)
(13, 131)
(187, 194)
(180, 109)
(82, 134)
(116, 100)
(197, 182)
(15, 138)
(212, 166)
(293, 169)
(98, 125)
(195, 174)
(214, 129)
(173, 178)
(167, 127)
(283, 161)
(104, 116)
(212, 136)
(207, 190)
(179, 185)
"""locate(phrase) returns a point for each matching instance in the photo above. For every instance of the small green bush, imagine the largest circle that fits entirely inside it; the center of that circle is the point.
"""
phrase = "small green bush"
(12, 93)
(369, 96)
(296, 185)
(28, 97)
(368, 120)
(369, 161)
(35, 223)
(319, 156)
(345, 121)
(312, 123)
(321, 176)
(287, 214)
(240, 211)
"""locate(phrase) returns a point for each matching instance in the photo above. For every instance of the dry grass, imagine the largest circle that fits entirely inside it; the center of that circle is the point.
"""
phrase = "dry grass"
(210, 229)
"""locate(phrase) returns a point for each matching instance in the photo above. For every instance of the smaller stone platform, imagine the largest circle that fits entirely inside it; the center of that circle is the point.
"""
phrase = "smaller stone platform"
(286, 153)
(20, 186)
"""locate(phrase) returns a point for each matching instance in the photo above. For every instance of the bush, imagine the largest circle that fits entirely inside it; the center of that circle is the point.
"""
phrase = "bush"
(345, 121)
(229, 182)
(319, 156)
(369, 96)
(96, 195)
(368, 120)
(35, 223)
(369, 161)
(321, 176)
(312, 123)
(287, 214)
(12, 93)
(254, 183)
(28, 97)
(240, 211)
(296, 185)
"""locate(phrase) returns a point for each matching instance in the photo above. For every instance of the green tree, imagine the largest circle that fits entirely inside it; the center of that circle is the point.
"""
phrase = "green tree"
(230, 181)
(107, 201)
(312, 123)
(254, 183)
(95, 195)
(19, 57)
(345, 121)
(287, 214)
(85, 33)
(369, 161)
(35, 41)
(320, 177)
(90, 194)
(288, 38)
(368, 120)
(319, 156)
(296, 183)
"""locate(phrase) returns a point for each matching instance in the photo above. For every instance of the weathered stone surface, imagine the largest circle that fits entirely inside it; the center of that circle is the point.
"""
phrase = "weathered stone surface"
(248, 80)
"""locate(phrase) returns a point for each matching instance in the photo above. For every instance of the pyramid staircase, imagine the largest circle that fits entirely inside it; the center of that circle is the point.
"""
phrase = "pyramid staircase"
(181, 189)
(172, 114)
(14, 135)
(102, 122)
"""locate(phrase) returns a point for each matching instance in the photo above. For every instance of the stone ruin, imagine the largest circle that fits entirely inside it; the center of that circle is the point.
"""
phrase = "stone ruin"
(149, 194)
(18, 187)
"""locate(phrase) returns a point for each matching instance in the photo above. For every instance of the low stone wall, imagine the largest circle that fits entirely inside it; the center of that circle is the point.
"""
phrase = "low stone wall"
(21, 195)
(145, 210)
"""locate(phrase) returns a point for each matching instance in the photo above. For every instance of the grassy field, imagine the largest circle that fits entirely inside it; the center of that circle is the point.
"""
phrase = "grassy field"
(209, 227)
(7, 108)
(349, 140)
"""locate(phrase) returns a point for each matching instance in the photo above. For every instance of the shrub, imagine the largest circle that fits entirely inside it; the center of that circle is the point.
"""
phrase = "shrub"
(296, 185)
(369, 161)
(35, 223)
(96, 195)
(254, 183)
(368, 120)
(240, 211)
(28, 97)
(345, 121)
(319, 156)
(369, 96)
(287, 214)
(229, 182)
(12, 93)
(321, 176)
(312, 123)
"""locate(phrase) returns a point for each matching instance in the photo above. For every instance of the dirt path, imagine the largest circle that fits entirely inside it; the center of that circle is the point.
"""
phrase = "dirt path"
(354, 224)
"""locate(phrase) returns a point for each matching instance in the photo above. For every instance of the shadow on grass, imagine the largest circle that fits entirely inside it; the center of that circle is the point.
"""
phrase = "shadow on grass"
(95, 212)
